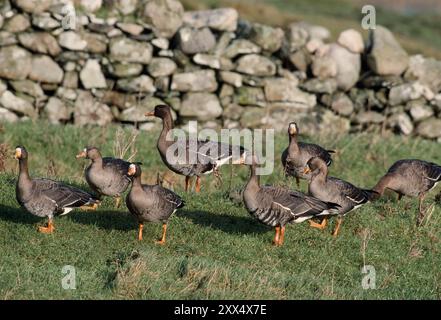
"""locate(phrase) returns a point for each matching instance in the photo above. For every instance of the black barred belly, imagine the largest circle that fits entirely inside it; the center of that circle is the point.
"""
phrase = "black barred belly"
(271, 217)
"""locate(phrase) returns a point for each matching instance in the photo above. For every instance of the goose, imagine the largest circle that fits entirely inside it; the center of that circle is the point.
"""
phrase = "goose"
(47, 198)
(276, 206)
(297, 154)
(106, 176)
(150, 203)
(412, 178)
(192, 157)
(325, 188)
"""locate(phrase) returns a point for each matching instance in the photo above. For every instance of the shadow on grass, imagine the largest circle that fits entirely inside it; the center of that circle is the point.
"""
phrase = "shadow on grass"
(225, 223)
(108, 220)
(17, 215)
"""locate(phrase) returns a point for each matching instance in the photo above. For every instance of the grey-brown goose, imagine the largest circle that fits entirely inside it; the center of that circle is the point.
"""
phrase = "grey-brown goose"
(276, 206)
(106, 176)
(150, 203)
(198, 156)
(297, 154)
(411, 177)
(44, 197)
(325, 188)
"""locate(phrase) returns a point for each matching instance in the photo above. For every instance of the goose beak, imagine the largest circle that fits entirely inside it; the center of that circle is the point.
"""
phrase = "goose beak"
(150, 114)
(306, 170)
(82, 154)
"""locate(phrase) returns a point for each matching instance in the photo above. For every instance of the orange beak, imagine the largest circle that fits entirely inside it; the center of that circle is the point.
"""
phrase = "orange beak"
(150, 114)
(82, 154)
(306, 170)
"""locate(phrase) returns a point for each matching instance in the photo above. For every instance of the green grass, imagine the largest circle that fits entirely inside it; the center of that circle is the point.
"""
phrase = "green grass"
(215, 249)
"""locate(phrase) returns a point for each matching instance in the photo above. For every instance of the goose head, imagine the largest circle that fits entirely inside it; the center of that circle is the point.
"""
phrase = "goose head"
(293, 129)
(89, 153)
(315, 165)
(20, 153)
(161, 111)
(134, 170)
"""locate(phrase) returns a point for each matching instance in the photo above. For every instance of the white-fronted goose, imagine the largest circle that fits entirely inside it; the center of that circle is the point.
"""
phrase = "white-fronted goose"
(411, 177)
(151, 203)
(297, 154)
(276, 207)
(106, 176)
(197, 157)
(47, 198)
(345, 194)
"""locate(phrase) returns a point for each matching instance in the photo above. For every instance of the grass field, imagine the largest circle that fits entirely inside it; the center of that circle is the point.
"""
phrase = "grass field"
(215, 250)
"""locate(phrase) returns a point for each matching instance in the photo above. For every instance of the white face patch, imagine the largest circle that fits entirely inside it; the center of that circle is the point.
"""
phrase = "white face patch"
(18, 152)
(132, 168)
(85, 150)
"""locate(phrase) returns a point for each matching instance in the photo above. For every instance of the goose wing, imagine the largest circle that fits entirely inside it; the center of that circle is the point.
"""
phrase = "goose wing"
(354, 194)
(314, 150)
(118, 165)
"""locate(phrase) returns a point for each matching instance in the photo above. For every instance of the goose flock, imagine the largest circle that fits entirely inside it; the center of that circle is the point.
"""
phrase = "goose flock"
(271, 205)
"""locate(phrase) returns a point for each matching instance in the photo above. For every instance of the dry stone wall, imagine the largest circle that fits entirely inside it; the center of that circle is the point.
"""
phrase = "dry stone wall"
(210, 66)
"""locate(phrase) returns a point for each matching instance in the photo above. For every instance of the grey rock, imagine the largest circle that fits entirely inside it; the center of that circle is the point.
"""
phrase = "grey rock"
(161, 43)
(161, 67)
(66, 93)
(33, 6)
(285, 90)
(130, 28)
(193, 41)
(240, 47)
(403, 93)
(13, 103)
(252, 117)
(342, 105)
(90, 5)
(137, 112)
(257, 65)
(121, 100)
(40, 42)
(233, 78)
(250, 96)
(7, 116)
(332, 125)
(323, 65)
(128, 50)
(71, 80)
(296, 36)
(165, 16)
(352, 40)
(17, 23)
(366, 117)
(268, 38)
(3, 87)
(162, 83)
(348, 66)
(89, 111)
(125, 7)
(7, 38)
(200, 105)
(233, 112)
(426, 70)
(15, 63)
(28, 87)
(45, 21)
(96, 43)
(56, 111)
(315, 85)
(200, 80)
(72, 41)
(430, 128)
(401, 122)
(141, 84)
(208, 60)
(44, 69)
(91, 76)
(125, 70)
(301, 59)
(419, 111)
(386, 56)
(223, 19)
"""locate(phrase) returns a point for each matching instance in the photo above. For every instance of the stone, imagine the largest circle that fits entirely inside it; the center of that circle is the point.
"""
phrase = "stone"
(352, 40)
(193, 41)
(341, 104)
(252, 117)
(126, 7)
(91, 75)
(3, 87)
(121, 100)
(233, 78)
(223, 19)
(44, 21)
(250, 96)
(44, 69)
(161, 67)
(7, 38)
(300, 59)
(33, 6)
(130, 28)
(89, 111)
(199, 80)
(430, 128)
(323, 65)
(233, 111)
(256, 65)
(141, 84)
(7, 116)
(241, 47)
(348, 66)
(315, 85)
(72, 41)
(19, 105)
(161, 43)
(96, 43)
(426, 70)
(313, 45)
(2, 20)
(366, 117)
(125, 70)
(56, 111)
(208, 106)
(401, 122)
(296, 36)
(207, 60)
(281, 89)
(15, 63)
(90, 5)
(268, 38)
(66, 93)
(405, 92)
(420, 111)
(165, 16)
(28, 87)
(70, 80)
(40, 42)
(128, 50)
(332, 125)
(385, 54)
(17, 23)
(137, 112)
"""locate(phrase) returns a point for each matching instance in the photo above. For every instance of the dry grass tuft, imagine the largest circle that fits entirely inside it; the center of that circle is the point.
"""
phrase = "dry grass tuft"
(124, 144)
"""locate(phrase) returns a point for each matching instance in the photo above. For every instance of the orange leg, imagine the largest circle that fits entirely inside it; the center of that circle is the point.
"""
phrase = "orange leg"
(164, 231)
(277, 237)
(337, 227)
(198, 184)
(187, 183)
(48, 229)
(141, 226)
(282, 235)
(320, 226)
(89, 208)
